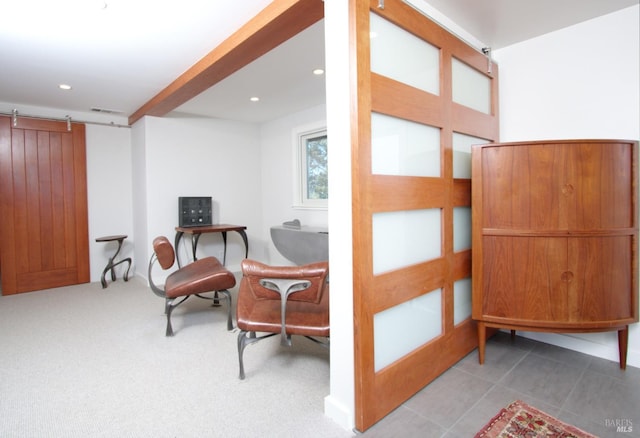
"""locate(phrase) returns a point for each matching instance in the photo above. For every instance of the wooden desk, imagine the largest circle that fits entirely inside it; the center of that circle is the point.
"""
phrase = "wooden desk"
(196, 232)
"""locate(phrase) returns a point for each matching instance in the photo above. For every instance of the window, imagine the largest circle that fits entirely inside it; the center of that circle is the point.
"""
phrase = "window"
(313, 177)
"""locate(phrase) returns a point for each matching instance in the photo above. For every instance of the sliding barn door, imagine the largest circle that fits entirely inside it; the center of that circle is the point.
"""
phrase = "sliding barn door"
(424, 97)
(43, 205)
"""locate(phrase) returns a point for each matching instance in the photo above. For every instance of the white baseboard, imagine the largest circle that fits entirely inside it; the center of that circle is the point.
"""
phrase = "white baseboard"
(607, 351)
(338, 413)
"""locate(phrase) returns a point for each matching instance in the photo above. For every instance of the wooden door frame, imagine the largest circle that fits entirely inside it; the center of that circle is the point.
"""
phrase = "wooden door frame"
(378, 393)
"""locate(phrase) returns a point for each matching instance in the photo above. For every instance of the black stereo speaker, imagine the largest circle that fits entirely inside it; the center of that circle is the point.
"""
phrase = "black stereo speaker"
(194, 211)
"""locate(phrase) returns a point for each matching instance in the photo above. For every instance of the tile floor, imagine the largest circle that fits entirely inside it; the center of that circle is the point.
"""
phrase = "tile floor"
(588, 392)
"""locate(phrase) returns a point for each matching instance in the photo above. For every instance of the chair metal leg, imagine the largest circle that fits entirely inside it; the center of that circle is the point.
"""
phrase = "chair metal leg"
(168, 308)
(216, 303)
(227, 294)
(242, 342)
(324, 344)
(245, 338)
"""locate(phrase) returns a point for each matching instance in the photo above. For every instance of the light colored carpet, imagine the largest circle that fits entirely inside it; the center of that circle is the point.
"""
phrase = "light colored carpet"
(83, 361)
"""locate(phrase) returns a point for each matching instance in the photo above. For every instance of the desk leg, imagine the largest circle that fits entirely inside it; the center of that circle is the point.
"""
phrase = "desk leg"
(111, 266)
(102, 279)
(224, 253)
(176, 245)
(126, 274)
(246, 242)
(194, 245)
(244, 239)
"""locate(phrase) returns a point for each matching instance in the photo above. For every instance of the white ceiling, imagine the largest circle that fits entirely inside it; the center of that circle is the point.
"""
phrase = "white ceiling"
(500, 23)
(283, 80)
(117, 58)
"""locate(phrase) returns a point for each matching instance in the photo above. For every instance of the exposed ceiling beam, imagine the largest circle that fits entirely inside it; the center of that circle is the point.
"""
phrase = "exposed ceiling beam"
(275, 24)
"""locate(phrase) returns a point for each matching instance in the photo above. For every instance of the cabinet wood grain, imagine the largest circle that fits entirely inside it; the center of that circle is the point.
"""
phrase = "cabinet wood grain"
(555, 237)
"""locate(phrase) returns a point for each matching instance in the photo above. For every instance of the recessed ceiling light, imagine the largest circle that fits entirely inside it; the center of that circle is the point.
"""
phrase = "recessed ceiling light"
(254, 99)
(318, 71)
(64, 87)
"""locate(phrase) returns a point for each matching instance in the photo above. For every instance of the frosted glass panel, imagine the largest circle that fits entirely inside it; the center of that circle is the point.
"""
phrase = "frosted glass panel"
(470, 87)
(404, 238)
(403, 328)
(399, 55)
(462, 154)
(461, 300)
(401, 147)
(461, 228)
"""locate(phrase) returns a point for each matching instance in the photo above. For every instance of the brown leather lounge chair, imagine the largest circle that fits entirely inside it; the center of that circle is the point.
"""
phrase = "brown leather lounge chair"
(284, 300)
(201, 276)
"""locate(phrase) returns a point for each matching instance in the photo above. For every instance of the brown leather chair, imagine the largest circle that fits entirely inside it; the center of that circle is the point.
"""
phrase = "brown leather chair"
(201, 276)
(284, 300)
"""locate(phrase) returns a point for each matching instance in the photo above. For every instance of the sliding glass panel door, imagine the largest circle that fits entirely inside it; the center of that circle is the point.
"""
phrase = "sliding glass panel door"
(423, 98)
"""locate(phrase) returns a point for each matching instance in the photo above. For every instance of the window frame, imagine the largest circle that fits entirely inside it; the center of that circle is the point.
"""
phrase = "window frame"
(300, 136)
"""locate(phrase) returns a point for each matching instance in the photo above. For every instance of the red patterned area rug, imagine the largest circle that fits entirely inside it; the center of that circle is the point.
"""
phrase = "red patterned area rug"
(519, 420)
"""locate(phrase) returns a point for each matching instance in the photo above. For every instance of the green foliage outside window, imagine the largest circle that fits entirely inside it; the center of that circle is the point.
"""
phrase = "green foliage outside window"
(316, 168)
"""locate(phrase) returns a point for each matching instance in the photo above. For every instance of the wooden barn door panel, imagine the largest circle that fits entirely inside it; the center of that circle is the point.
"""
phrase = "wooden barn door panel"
(43, 201)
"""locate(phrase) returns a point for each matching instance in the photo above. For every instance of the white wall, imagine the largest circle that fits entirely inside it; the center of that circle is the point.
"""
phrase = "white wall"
(109, 182)
(278, 148)
(579, 82)
(339, 405)
(142, 250)
(187, 156)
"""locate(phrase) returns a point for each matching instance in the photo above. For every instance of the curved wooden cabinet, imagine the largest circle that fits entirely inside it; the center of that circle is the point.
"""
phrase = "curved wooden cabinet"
(555, 237)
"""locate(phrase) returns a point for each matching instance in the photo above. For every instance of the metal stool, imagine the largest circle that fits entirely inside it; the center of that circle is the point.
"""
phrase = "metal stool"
(112, 263)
